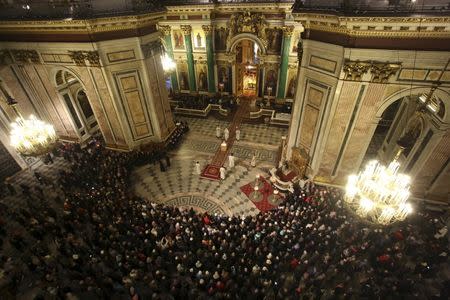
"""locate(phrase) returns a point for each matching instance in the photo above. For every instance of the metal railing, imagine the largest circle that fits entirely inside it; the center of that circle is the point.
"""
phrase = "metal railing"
(374, 7)
(81, 9)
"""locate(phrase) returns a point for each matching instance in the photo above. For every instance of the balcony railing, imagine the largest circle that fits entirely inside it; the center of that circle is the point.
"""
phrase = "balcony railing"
(81, 9)
(374, 7)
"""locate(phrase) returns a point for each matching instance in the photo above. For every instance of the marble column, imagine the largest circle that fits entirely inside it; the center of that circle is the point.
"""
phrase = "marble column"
(166, 30)
(190, 56)
(210, 58)
(287, 35)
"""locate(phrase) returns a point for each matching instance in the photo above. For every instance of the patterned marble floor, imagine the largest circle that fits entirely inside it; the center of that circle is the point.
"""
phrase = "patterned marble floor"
(180, 186)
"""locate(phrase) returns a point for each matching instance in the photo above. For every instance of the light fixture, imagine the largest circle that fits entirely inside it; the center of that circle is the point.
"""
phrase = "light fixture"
(429, 101)
(30, 137)
(379, 193)
(167, 63)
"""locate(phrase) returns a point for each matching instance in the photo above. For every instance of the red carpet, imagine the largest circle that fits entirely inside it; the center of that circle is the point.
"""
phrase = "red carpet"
(211, 172)
(266, 191)
(288, 177)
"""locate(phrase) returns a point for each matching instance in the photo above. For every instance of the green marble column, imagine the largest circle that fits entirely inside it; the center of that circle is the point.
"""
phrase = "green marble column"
(190, 56)
(165, 29)
(210, 58)
(287, 34)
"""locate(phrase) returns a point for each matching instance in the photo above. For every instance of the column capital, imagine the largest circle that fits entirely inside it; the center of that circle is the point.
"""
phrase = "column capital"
(288, 30)
(207, 29)
(80, 57)
(165, 29)
(5, 57)
(186, 29)
(152, 48)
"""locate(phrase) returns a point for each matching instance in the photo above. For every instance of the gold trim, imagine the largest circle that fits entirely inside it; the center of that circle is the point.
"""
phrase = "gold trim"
(94, 25)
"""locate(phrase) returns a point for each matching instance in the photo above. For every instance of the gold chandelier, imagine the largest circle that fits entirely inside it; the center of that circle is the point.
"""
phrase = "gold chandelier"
(31, 137)
(379, 193)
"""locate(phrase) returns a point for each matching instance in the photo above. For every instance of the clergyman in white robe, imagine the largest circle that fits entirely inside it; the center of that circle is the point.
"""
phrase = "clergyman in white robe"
(238, 134)
(231, 159)
(222, 173)
(218, 132)
(226, 134)
(253, 162)
(197, 168)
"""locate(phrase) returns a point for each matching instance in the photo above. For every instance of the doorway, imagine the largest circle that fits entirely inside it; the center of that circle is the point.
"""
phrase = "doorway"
(247, 68)
(77, 104)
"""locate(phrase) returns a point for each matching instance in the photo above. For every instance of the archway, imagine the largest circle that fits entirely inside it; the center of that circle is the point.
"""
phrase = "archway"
(400, 123)
(247, 61)
(77, 103)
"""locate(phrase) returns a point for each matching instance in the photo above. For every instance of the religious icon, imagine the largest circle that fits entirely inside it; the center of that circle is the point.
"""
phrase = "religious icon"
(271, 82)
(223, 75)
(274, 39)
(199, 40)
(220, 39)
(178, 39)
(202, 80)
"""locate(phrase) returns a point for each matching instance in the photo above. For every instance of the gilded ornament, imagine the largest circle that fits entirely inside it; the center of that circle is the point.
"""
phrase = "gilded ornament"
(187, 29)
(93, 58)
(5, 57)
(207, 29)
(354, 70)
(25, 56)
(152, 48)
(165, 29)
(288, 30)
(248, 22)
(78, 57)
(383, 71)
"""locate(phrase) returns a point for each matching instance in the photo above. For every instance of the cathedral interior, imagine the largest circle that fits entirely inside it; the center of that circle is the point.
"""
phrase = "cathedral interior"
(165, 112)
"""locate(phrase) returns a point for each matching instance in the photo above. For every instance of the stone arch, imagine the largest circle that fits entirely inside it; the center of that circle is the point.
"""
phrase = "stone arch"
(68, 85)
(246, 36)
(441, 94)
(58, 72)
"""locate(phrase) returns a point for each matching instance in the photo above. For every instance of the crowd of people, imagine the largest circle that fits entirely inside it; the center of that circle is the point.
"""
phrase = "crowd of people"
(201, 101)
(94, 239)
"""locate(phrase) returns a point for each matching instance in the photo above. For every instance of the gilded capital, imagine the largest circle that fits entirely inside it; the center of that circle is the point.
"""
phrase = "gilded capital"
(93, 58)
(5, 57)
(152, 48)
(383, 71)
(186, 29)
(354, 70)
(25, 56)
(165, 29)
(80, 57)
(207, 29)
(288, 30)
